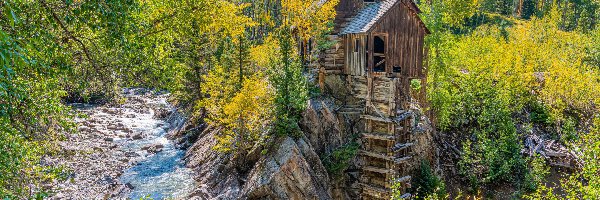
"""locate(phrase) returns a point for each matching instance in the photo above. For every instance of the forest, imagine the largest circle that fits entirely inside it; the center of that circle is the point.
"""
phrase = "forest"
(501, 75)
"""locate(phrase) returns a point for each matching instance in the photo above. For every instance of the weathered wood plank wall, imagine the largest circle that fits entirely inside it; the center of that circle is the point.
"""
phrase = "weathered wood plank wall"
(404, 40)
(355, 54)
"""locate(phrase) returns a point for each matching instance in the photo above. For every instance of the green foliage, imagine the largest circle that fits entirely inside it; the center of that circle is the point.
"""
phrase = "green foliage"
(493, 155)
(539, 172)
(454, 12)
(291, 87)
(184, 40)
(339, 159)
(426, 185)
(539, 114)
(504, 7)
(583, 184)
(246, 118)
(87, 41)
(415, 84)
(483, 75)
(31, 118)
(569, 130)
(225, 60)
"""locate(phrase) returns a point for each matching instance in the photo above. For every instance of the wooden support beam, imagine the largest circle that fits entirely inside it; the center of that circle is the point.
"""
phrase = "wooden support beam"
(376, 155)
(401, 146)
(374, 118)
(378, 136)
(370, 189)
(378, 170)
(403, 159)
(334, 71)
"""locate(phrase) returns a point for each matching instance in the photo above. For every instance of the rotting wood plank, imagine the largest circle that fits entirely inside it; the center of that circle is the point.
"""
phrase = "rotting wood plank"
(374, 118)
(402, 160)
(378, 136)
(402, 146)
(379, 170)
(376, 155)
(375, 191)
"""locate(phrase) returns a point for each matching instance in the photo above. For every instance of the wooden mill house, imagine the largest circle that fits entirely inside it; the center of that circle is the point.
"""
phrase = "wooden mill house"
(379, 51)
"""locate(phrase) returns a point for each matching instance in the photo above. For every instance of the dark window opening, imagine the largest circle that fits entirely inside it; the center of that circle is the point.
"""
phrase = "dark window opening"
(369, 1)
(367, 47)
(366, 40)
(379, 54)
(397, 69)
(379, 45)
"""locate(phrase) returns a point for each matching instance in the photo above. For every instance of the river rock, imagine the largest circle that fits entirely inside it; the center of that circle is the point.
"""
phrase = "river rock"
(153, 148)
(112, 127)
(131, 154)
(138, 136)
(161, 113)
(83, 129)
(96, 161)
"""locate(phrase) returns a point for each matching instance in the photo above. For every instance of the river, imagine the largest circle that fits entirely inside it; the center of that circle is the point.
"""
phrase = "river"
(123, 151)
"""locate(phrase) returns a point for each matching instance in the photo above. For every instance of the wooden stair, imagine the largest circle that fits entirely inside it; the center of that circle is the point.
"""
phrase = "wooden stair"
(386, 143)
(375, 192)
(378, 136)
(378, 119)
(393, 159)
(402, 146)
(379, 170)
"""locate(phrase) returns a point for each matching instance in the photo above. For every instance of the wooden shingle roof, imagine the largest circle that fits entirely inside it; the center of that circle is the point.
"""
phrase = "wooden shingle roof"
(368, 16)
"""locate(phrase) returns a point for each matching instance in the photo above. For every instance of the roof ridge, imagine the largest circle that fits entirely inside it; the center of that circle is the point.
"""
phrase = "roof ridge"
(368, 16)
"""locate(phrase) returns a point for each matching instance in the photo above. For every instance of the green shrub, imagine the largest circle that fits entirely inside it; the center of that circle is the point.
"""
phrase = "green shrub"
(339, 159)
(415, 84)
(426, 185)
(539, 114)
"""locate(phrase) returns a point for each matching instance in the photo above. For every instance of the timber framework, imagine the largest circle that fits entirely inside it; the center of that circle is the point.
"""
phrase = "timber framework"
(379, 52)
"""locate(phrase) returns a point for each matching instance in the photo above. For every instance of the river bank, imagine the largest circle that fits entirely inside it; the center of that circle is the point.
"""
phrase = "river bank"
(123, 152)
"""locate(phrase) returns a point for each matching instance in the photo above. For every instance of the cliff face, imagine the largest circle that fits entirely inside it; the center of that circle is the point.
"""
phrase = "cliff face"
(294, 171)
(292, 168)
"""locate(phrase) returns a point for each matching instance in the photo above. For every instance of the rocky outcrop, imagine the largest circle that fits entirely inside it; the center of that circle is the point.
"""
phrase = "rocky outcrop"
(293, 171)
(422, 134)
(217, 179)
(322, 127)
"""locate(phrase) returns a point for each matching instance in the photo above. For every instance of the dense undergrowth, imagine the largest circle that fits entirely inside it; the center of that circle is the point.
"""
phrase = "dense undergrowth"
(234, 64)
(498, 70)
(495, 74)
